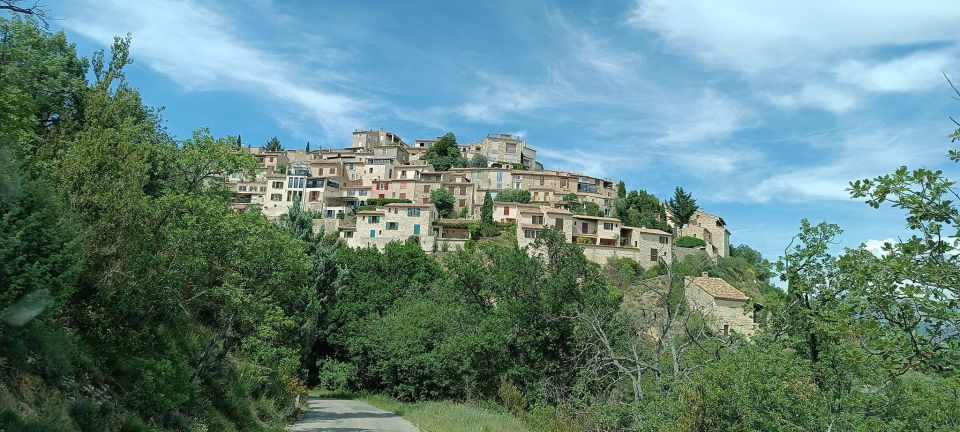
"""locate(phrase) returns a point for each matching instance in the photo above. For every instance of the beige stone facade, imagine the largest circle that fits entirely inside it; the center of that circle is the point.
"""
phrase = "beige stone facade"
(726, 308)
(379, 164)
(392, 222)
(710, 228)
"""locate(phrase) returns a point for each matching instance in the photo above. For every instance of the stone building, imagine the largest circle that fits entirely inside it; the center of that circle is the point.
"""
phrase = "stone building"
(392, 222)
(727, 309)
(712, 230)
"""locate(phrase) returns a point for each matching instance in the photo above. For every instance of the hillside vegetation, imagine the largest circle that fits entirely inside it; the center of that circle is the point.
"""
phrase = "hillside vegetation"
(132, 298)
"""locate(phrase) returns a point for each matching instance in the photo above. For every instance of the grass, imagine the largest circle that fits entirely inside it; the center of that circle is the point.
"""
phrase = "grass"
(441, 416)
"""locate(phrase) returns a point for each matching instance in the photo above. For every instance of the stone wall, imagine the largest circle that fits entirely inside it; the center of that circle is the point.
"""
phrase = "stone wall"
(600, 254)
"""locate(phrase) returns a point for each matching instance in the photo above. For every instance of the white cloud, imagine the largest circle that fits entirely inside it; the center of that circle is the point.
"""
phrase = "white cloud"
(502, 95)
(200, 49)
(703, 117)
(918, 71)
(831, 50)
(848, 155)
(876, 246)
(758, 35)
(815, 96)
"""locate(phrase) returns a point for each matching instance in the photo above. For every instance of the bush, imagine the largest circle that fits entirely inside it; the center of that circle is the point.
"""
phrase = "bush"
(384, 201)
(513, 195)
(584, 240)
(336, 375)
(690, 242)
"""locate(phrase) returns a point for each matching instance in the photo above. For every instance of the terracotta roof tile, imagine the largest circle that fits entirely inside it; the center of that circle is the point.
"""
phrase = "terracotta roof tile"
(719, 288)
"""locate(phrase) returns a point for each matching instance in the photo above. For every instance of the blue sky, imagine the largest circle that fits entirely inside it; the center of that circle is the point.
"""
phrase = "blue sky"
(763, 110)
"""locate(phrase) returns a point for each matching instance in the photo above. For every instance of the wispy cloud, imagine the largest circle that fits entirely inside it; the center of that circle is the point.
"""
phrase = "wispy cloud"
(832, 51)
(200, 48)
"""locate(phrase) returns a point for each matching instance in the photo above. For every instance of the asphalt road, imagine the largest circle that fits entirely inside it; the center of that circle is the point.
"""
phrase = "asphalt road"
(341, 415)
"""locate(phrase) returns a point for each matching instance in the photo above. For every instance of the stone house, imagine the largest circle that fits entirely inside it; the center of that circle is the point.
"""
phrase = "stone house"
(727, 309)
(392, 222)
(710, 228)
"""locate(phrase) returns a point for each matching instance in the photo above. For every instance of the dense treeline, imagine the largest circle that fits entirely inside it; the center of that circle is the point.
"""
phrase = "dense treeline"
(133, 298)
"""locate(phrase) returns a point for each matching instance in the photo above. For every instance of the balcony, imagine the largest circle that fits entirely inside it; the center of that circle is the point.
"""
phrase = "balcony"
(579, 231)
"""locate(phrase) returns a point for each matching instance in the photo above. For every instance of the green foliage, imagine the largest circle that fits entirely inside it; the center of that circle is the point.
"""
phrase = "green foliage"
(689, 242)
(587, 208)
(486, 212)
(513, 195)
(273, 145)
(640, 209)
(443, 200)
(377, 202)
(478, 161)
(681, 206)
(336, 375)
(444, 153)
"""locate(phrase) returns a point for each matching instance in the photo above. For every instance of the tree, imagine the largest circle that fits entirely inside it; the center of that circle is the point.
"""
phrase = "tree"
(444, 153)
(681, 207)
(621, 190)
(478, 161)
(307, 148)
(443, 200)
(486, 212)
(273, 144)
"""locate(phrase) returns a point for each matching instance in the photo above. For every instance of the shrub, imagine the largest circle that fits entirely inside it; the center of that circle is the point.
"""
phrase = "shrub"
(513, 195)
(690, 242)
(385, 201)
(512, 398)
(584, 240)
(336, 375)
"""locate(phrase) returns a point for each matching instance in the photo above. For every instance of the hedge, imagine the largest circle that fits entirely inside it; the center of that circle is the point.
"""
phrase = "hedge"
(690, 242)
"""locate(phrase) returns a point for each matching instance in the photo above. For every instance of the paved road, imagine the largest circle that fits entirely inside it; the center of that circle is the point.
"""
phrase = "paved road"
(341, 415)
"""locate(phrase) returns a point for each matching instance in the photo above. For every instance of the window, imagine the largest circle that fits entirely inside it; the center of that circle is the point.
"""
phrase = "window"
(608, 225)
(726, 329)
(653, 255)
(373, 233)
(558, 224)
(348, 234)
(426, 188)
(270, 159)
(373, 219)
(563, 183)
(664, 240)
(541, 180)
(314, 195)
(333, 170)
(463, 203)
(329, 213)
(276, 197)
(393, 226)
(403, 195)
(506, 211)
(416, 228)
(380, 196)
(511, 148)
(243, 188)
(536, 220)
(278, 185)
(463, 190)
(530, 234)
(363, 192)
(413, 212)
(263, 188)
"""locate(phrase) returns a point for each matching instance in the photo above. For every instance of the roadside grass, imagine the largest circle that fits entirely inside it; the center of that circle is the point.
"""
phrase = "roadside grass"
(442, 416)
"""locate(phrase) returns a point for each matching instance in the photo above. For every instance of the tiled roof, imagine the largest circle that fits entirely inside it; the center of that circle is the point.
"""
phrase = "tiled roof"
(719, 288)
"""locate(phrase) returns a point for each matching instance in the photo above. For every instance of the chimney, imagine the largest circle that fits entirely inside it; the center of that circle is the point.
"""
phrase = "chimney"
(705, 274)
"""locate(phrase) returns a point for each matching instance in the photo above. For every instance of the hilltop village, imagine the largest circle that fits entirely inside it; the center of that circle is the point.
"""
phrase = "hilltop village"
(380, 189)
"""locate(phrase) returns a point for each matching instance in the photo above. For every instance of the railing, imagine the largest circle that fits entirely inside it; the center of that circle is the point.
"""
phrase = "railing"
(578, 230)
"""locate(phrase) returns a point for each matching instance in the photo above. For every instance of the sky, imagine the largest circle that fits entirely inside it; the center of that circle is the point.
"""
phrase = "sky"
(764, 111)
